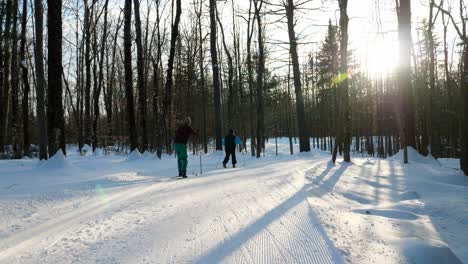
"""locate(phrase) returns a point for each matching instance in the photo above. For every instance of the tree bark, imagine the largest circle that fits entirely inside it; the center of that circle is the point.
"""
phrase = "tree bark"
(202, 78)
(250, 27)
(216, 77)
(260, 73)
(167, 103)
(304, 142)
(15, 113)
(26, 88)
(408, 130)
(141, 79)
(55, 112)
(5, 107)
(40, 81)
(128, 74)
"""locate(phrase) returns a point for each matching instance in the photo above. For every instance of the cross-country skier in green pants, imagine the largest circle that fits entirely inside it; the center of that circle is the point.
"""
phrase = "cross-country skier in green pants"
(184, 130)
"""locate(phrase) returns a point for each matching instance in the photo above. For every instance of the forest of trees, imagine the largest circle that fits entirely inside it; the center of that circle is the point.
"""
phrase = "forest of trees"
(117, 79)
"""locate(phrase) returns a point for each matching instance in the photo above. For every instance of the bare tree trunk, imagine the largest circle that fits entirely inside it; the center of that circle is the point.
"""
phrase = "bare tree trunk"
(304, 142)
(464, 158)
(250, 27)
(216, 77)
(260, 73)
(26, 88)
(158, 119)
(55, 115)
(434, 93)
(167, 111)
(202, 77)
(128, 74)
(39, 66)
(87, 60)
(141, 79)
(15, 117)
(5, 107)
(344, 87)
(407, 131)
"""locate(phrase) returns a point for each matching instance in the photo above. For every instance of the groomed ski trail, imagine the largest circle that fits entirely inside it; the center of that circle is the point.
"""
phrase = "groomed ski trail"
(253, 214)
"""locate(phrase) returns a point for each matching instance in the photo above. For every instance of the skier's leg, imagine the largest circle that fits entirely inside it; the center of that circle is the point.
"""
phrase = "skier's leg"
(184, 159)
(177, 148)
(226, 158)
(234, 160)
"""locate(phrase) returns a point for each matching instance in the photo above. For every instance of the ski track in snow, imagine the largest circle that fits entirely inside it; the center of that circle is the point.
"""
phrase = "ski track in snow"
(288, 209)
(230, 216)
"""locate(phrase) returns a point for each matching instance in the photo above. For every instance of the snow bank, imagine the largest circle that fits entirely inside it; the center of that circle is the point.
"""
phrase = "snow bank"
(57, 162)
(148, 155)
(427, 251)
(413, 156)
(134, 155)
(87, 149)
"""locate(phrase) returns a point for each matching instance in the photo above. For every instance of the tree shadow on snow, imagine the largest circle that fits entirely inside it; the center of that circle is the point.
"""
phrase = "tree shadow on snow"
(308, 236)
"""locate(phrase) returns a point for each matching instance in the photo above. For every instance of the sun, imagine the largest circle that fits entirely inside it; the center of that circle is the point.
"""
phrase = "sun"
(380, 57)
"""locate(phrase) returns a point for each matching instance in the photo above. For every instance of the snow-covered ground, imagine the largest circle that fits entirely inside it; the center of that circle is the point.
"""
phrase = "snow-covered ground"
(277, 209)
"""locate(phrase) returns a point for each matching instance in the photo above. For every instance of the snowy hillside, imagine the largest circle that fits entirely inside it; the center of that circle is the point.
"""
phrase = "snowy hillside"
(278, 209)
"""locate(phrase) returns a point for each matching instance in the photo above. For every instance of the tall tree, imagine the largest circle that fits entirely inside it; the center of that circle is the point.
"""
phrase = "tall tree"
(128, 74)
(89, 13)
(97, 92)
(250, 31)
(202, 76)
(25, 77)
(260, 75)
(55, 112)
(40, 81)
(167, 111)
(304, 142)
(216, 77)
(406, 110)
(344, 119)
(15, 113)
(141, 79)
(6, 92)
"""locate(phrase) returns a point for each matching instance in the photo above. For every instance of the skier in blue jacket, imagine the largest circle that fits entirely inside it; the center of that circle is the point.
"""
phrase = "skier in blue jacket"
(230, 148)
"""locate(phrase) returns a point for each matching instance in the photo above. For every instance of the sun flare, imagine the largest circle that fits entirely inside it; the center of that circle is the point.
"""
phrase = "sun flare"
(381, 58)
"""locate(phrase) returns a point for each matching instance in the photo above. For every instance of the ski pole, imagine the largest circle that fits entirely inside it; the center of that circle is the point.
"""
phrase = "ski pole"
(201, 167)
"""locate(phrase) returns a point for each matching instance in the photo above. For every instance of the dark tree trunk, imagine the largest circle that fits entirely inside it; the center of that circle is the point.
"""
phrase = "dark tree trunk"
(202, 79)
(260, 73)
(26, 88)
(406, 110)
(6, 94)
(344, 87)
(216, 77)
(250, 27)
(464, 158)
(167, 111)
(128, 75)
(40, 81)
(434, 127)
(87, 60)
(15, 113)
(304, 142)
(55, 112)
(141, 79)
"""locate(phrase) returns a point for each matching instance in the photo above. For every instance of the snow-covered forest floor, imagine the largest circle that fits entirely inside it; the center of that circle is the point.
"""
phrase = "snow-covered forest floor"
(277, 209)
